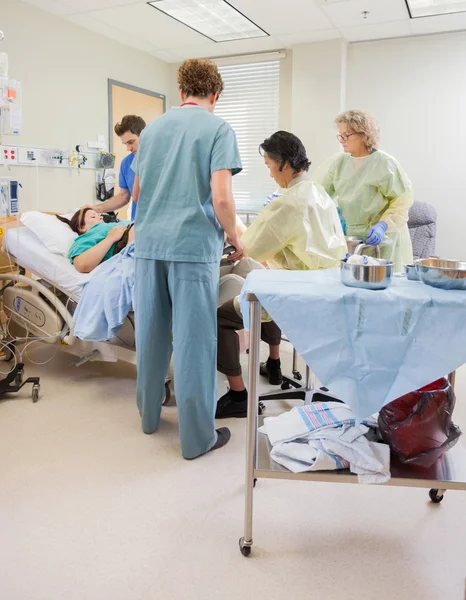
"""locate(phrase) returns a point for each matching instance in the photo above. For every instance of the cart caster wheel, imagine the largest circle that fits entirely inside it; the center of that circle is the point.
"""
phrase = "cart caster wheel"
(168, 394)
(297, 375)
(35, 393)
(19, 377)
(245, 550)
(435, 497)
(261, 407)
(286, 385)
(10, 348)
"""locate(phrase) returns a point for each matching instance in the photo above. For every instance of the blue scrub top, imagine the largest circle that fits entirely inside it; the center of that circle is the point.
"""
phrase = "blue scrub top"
(177, 155)
(126, 179)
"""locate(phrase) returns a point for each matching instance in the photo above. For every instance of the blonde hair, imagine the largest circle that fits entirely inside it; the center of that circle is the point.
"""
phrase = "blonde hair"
(363, 123)
(199, 78)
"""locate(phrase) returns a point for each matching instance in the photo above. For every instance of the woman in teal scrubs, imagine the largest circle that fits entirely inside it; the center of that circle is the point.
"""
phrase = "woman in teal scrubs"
(183, 188)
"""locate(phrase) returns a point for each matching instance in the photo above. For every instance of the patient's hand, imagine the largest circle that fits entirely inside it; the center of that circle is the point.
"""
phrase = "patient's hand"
(116, 233)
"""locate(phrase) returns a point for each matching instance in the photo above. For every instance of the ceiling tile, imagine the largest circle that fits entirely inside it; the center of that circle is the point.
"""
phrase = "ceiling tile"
(275, 20)
(152, 26)
(85, 20)
(309, 37)
(79, 6)
(377, 31)
(439, 24)
(52, 6)
(350, 13)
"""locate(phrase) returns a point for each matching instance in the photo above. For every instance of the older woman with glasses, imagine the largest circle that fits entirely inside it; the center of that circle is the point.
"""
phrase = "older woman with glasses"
(371, 189)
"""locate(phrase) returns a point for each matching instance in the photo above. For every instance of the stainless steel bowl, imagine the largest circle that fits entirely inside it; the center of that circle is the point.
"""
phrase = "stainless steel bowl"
(411, 272)
(367, 276)
(352, 243)
(443, 274)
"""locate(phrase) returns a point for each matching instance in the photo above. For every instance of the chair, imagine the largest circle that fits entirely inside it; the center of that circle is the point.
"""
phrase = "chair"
(422, 225)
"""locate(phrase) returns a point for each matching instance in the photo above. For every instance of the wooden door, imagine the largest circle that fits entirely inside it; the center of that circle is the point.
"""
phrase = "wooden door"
(124, 100)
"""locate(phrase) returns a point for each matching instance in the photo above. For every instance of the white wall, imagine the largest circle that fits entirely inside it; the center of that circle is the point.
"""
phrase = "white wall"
(318, 86)
(64, 70)
(417, 89)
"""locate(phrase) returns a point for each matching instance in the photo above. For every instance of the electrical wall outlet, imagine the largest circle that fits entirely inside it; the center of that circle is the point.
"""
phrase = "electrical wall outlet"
(9, 155)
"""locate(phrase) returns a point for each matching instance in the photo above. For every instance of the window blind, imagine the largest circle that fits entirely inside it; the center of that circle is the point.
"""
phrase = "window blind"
(250, 104)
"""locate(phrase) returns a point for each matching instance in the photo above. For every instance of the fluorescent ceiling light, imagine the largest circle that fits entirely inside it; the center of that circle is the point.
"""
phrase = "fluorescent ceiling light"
(431, 8)
(215, 19)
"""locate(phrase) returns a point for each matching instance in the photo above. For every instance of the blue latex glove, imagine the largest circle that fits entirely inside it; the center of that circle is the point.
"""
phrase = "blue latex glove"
(376, 233)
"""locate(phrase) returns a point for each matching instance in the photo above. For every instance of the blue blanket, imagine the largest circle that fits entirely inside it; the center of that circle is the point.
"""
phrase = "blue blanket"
(107, 298)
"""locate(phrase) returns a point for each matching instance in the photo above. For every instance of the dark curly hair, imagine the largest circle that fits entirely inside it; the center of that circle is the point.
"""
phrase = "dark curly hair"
(199, 78)
(131, 123)
(284, 147)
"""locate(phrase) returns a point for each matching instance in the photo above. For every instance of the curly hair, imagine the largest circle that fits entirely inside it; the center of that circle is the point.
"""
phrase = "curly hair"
(199, 78)
(284, 147)
(361, 122)
(131, 123)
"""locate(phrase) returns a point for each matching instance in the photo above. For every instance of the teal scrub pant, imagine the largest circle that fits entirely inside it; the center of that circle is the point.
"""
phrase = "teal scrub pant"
(180, 299)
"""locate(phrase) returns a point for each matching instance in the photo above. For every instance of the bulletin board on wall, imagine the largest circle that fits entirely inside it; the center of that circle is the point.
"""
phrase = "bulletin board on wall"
(125, 99)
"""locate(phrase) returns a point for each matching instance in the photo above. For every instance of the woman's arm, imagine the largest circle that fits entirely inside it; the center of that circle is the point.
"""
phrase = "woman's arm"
(90, 259)
(397, 188)
(272, 230)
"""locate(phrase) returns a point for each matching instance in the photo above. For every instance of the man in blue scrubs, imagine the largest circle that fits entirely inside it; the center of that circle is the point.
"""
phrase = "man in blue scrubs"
(128, 131)
(185, 201)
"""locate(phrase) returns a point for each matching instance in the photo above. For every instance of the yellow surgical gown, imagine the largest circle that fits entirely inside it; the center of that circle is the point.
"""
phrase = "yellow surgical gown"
(368, 190)
(299, 230)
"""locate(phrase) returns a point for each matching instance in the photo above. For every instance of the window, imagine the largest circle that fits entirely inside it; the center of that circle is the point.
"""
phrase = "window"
(249, 104)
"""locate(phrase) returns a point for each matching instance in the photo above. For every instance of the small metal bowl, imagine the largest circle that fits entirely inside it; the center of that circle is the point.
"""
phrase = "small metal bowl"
(368, 277)
(411, 272)
(443, 274)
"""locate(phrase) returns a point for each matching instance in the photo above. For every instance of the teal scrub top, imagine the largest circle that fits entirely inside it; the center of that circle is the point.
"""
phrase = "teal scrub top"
(178, 152)
(91, 238)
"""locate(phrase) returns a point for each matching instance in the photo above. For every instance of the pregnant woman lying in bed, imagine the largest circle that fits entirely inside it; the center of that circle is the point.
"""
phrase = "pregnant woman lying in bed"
(97, 241)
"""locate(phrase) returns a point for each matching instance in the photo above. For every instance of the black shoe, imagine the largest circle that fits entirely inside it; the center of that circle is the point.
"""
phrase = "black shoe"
(223, 437)
(227, 407)
(271, 369)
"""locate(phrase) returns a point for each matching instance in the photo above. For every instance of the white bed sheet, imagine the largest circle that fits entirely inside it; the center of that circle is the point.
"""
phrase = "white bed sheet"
(31, 253)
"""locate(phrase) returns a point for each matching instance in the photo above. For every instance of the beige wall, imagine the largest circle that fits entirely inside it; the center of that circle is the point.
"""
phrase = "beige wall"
(318, 84)
(64, 70)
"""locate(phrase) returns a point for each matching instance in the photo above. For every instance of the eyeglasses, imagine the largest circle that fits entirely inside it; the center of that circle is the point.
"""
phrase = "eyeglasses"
(344, 138)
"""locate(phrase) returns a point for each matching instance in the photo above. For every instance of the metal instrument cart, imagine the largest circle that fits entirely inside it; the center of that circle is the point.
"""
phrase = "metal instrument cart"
(448, 473)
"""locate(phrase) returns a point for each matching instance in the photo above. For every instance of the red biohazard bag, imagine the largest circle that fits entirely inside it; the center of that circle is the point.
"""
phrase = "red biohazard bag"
(418, 426)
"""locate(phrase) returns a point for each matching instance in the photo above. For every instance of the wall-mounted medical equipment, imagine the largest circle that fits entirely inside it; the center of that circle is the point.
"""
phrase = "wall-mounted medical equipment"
(10, 101)
(8, 197)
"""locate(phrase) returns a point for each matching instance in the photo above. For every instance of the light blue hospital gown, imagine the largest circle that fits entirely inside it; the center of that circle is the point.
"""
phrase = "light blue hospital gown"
(178, 248)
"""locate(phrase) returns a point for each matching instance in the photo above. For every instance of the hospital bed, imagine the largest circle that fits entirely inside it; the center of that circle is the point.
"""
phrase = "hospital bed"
(40, 295)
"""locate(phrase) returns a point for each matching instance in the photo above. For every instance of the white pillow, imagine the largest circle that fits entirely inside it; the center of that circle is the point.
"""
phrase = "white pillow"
(54, 234)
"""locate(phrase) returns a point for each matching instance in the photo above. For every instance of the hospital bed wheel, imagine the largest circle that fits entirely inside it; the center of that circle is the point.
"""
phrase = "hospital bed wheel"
(19, 377)
(245, 550)
(261, 408)
(297, 375)
(35, 393)
(168, 394)
(11, 350)
(434, 496)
